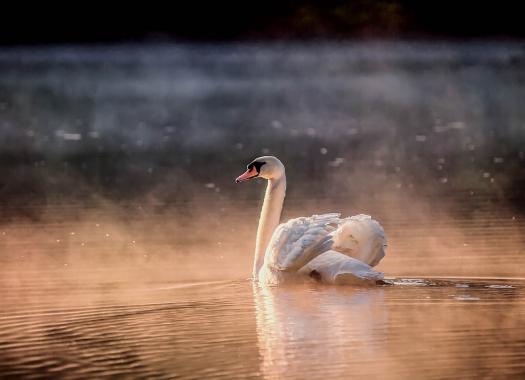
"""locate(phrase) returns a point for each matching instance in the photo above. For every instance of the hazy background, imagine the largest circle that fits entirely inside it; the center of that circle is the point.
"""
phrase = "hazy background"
(124, 152)
(122, 129)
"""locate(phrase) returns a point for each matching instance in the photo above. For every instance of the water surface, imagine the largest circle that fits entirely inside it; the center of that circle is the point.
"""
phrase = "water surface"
(456, 328)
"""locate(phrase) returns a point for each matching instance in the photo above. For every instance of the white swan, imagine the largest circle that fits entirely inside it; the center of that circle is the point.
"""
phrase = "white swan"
(325, 247)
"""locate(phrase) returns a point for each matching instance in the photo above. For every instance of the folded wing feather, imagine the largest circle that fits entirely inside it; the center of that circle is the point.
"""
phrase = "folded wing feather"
(299, 240)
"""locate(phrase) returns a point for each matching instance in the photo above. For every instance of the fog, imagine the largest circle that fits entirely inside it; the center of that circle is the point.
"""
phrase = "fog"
(124, 156)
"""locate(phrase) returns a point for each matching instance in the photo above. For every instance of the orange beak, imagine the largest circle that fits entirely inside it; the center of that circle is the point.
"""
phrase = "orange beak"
(248, 174)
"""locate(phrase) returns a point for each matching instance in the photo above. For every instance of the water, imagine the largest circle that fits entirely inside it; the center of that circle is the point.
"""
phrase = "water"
(125, 246)
(232, 329)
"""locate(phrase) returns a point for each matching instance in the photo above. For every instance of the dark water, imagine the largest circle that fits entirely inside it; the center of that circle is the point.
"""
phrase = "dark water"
(125, 246)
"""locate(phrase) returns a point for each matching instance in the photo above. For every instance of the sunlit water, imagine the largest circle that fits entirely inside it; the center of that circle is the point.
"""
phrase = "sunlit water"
(234, 329)
(125, 246)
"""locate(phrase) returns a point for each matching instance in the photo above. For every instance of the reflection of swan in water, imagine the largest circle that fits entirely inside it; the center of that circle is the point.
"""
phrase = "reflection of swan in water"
(334, 331)
(324, 247)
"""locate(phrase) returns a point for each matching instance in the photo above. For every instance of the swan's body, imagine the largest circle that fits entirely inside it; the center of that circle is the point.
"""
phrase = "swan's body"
(326, 248)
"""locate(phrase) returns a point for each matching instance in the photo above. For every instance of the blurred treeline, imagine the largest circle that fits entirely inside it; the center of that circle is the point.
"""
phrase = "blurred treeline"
(259, 19)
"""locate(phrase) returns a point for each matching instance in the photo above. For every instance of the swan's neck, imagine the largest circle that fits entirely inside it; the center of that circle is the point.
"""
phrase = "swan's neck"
(269, 220)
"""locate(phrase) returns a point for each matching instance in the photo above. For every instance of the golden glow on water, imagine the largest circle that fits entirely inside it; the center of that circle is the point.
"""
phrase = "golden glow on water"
(161, 296)
(155, 297)
(433, 331)
(237, 329)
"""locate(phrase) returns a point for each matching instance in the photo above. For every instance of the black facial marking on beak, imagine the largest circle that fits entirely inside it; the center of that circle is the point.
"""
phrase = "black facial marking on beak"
(257, 165)
(253, 170)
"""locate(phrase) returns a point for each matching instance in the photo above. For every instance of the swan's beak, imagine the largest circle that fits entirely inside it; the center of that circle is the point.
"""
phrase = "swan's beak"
(248, 174)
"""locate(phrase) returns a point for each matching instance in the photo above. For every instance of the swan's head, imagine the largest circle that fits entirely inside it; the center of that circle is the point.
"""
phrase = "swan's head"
(267, 167)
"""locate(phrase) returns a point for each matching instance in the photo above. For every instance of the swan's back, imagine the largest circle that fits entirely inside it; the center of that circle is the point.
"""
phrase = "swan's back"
(360, 237)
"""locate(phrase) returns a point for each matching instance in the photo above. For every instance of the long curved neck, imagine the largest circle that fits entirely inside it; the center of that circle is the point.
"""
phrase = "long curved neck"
(269, 219)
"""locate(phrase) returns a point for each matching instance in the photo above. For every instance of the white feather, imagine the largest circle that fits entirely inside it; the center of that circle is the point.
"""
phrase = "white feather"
(362, 238)
(336, 268)
(299, 240)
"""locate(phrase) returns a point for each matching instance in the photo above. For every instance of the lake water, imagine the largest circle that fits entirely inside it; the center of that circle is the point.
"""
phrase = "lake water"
(234, 329)
(125, 246)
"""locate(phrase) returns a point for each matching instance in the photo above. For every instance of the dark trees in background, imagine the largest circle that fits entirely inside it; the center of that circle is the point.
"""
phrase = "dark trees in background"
(258, 19)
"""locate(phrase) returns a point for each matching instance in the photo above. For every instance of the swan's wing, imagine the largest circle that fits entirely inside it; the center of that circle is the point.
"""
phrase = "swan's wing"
(299, 240)
(360, 237)
(336, 268)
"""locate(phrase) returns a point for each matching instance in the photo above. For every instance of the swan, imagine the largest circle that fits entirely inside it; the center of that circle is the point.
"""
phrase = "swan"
(326, 248)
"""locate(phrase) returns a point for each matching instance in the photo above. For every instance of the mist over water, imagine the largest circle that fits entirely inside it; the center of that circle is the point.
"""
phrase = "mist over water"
(119, 208)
